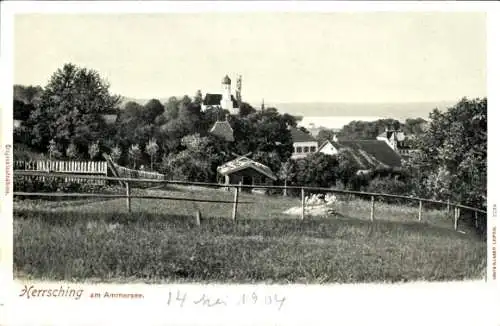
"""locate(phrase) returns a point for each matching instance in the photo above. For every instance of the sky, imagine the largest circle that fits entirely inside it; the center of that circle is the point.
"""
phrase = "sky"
(282, 57)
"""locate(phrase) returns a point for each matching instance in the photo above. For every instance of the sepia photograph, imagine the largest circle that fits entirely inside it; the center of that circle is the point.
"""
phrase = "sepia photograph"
(249, 147)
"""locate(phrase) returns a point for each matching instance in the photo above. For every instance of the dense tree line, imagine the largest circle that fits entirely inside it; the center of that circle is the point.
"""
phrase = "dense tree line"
(371, 129)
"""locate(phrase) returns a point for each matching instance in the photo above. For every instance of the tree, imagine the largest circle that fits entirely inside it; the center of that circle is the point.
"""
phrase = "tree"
(270, 159)
(72, 151)
(286, 173)
(264, 131)
(21, 110)
(70, 108)
(53, 150)
(116, 153)
(347, 168)
(94, 150)
(198, 97)
(414, 126)
(134, 154)
(324, 135)
(132, 111)
(152, 110)
(246, 109)
(172, 108)
(317, 170)
(368, 129)
(198, 161)
(28, 94)
(152, 150)
(453, 153)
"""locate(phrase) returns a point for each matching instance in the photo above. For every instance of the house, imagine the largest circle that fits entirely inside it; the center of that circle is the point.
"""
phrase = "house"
(223, 129)
(225, 100)
(399, 142)
(246, 171)
(393, 138)
(303, 143)
(329, 148)
(370, 154)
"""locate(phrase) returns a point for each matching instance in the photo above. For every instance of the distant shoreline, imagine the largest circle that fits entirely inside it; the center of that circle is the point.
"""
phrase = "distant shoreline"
(384, 110)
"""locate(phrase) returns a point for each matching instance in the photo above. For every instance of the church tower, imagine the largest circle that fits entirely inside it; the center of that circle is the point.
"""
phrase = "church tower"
(226, 101)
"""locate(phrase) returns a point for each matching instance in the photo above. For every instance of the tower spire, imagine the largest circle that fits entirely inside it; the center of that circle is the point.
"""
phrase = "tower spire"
(238, 92)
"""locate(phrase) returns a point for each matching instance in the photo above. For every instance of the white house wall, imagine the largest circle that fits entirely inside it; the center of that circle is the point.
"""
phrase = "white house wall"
(329, 149)
(296, 154)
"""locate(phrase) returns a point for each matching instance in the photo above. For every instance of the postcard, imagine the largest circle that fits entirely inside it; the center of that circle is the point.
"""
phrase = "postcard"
(249, 163)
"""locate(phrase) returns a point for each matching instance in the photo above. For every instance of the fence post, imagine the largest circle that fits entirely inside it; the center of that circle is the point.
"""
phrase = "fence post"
(419, 210)
(303, 202)
(127, 188)
(448, 207)
(235, 204)
(372, 212)
(475, 220)
(457, 215)
(197, 217)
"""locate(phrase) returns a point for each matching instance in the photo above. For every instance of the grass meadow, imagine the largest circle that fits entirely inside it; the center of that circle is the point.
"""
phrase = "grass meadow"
(98, 240)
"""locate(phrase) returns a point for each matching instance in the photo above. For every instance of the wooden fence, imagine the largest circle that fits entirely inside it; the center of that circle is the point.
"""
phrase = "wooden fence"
(77, 168)
(237, 189)
(130, 173)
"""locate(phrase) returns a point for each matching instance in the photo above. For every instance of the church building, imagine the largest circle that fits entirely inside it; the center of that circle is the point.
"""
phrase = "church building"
(226, 100)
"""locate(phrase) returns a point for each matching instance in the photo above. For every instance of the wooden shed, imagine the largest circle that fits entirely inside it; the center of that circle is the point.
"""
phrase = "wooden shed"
(248, 171)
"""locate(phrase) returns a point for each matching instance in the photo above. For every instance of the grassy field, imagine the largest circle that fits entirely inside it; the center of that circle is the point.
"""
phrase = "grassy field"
(159, 242)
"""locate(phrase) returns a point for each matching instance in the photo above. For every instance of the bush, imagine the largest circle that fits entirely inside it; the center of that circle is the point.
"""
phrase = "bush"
(37, 184)
(389, 186)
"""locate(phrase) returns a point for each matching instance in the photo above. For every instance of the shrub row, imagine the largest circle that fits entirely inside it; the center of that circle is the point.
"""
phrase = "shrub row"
(54, 184)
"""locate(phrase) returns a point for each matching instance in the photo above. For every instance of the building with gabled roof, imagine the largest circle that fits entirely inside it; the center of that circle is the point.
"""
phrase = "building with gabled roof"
(400, 142)
(246, 171)
(329, 148)
(223, 129)
(393, 138)
(304, 144)
(370, 154)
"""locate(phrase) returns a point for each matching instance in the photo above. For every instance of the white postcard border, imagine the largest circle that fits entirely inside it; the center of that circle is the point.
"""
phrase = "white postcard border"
(413, 304)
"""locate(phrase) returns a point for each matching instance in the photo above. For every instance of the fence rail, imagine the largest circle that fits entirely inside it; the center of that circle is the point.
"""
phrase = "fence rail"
(238, 187)
(130, 173)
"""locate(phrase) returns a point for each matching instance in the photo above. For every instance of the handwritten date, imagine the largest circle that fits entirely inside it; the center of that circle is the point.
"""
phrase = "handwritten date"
(181, 299)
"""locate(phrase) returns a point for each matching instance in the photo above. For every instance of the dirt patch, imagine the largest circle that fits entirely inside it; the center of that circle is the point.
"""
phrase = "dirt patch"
(319, 210)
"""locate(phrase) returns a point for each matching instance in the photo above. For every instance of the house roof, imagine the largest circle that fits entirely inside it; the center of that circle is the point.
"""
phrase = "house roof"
(226, 80)
(326, 142)
(242, 163)
(300, 136)
(371, 153)
(212, 99)
(215, 99)
(223, 130)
